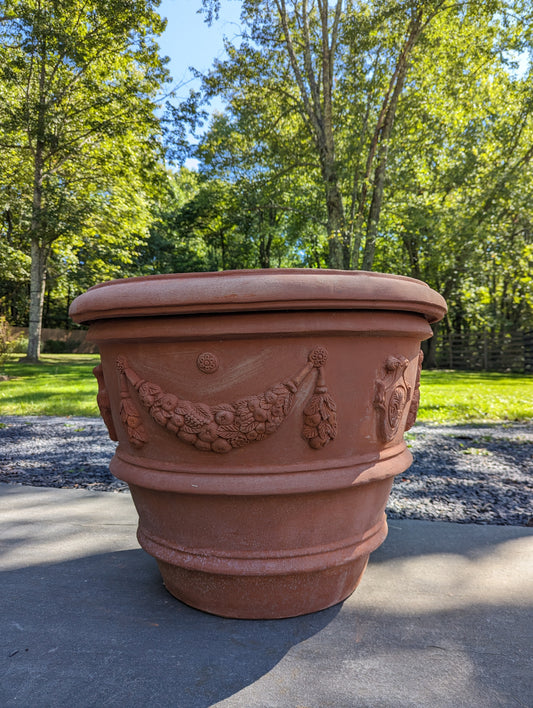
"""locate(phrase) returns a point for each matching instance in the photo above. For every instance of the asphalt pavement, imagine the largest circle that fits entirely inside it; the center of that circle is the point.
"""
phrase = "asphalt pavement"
(442, 618)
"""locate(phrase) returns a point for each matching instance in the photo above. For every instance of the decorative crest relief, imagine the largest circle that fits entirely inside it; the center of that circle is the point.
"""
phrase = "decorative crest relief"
(391, 395)
(415, 401)
(224, 426)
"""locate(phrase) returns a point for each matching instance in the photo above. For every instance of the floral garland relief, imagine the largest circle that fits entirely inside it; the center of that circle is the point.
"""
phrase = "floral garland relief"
(392, 394)
(222, 427)
(102, 399)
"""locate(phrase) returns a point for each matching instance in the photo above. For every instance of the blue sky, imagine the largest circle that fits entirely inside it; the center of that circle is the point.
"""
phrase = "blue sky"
(189, 41)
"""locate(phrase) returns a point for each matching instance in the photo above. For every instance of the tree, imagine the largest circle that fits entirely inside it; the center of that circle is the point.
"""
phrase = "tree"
(459, 207)
(344, 71)
(255, 154)
(174, 245)
(307, 50)
(77, 124)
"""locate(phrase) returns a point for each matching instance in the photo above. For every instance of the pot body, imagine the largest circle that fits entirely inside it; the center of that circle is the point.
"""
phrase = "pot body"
(260, 447)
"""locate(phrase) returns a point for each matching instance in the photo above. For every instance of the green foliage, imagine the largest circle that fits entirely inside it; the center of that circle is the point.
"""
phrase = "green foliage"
(8, 343)
(58, 346)
(21, 345)
(461, 205)
(78, 134)
(431, 128)
(173, 245)
(387, 135)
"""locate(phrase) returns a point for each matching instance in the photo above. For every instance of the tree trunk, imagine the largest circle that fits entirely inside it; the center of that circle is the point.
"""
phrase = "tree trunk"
(339, 248)
(316, 92)
(380, 142)
(39, 256)
(39, 249)
(429, 347)
(383, 149)
(412, 248)
(336, 221)
(223, 249)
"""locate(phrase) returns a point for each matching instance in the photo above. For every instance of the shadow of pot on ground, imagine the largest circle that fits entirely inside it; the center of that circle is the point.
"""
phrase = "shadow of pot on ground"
(102, 630)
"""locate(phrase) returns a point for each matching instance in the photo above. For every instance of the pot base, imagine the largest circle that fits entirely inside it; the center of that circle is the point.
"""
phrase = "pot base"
(263, 597)
(266, 556)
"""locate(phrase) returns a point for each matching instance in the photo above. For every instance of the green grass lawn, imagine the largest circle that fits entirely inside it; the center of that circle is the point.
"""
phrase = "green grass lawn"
(63, 384)
(475, 397)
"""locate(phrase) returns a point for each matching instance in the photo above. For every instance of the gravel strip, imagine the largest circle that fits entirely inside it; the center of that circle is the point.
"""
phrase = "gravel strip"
(464, 474)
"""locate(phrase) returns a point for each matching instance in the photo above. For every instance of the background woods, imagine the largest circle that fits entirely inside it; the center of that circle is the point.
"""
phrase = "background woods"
(78, 134)
(394, 135)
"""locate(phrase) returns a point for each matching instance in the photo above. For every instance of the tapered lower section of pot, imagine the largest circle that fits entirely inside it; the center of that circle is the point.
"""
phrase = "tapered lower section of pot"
(247, 580)
(263, 596)
(261, 555)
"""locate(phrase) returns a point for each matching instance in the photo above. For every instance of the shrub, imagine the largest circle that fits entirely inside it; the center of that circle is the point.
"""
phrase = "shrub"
(59, 346)
(21, 345)
(8, 344)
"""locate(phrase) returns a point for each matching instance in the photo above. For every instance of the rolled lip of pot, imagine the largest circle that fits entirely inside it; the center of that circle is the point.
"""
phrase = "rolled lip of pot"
(287, 289)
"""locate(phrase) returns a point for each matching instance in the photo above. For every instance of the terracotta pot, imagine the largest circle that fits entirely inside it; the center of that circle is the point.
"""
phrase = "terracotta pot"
(260, 419)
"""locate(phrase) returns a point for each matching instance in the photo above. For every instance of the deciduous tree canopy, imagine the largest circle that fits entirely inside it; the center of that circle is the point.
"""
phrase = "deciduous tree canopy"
(78, 134)
(393, 135)
(399, 134)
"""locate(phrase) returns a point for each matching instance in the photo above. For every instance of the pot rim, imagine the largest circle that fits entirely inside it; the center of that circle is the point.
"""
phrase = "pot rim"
(265, 290)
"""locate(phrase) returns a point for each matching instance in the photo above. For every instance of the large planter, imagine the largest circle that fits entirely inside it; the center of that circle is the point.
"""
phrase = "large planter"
(260, 419)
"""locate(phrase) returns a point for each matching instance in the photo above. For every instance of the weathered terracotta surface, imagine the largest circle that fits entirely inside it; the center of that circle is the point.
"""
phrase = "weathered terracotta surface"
(260, 419)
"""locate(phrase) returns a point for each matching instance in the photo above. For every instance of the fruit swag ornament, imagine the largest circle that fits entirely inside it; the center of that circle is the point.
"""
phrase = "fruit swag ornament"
(225, 426)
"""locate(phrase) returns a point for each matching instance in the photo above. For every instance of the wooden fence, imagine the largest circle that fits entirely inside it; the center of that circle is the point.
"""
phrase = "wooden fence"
(57, 341)
(484, 352)
(472, 352)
